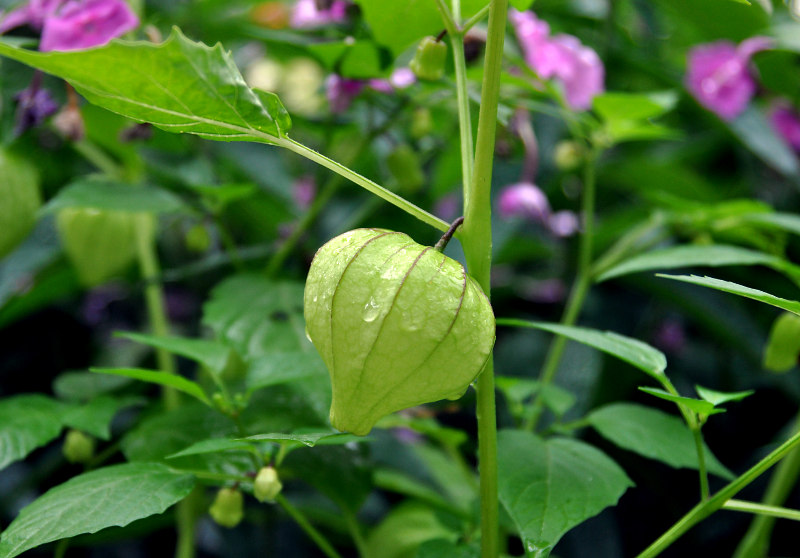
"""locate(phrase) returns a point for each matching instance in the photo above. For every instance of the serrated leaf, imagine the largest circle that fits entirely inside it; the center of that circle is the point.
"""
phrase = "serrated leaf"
(26, 423)
(279, 368)
(783, 347)
(108, 497)
(99, 192)
(699, 406)
(212, 354)
(734, 288)
(634, 352)
(550, 486)
(161, 378)
(720, 397)
(714, 255)
(178, 85)
(95, 416)
(258, 316)
(652, 434)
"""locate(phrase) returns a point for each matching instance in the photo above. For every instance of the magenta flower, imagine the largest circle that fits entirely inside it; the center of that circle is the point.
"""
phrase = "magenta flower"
(34, 104)
(786, 122)
(525, 200)
(315, 13)
(81, 24)
(719, 78)
(31, 14)
(563, 223)
(304, 190)
(561, 57)
(341, 92)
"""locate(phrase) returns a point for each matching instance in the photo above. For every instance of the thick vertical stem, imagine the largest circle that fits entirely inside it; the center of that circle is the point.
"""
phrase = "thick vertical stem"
(477, 243)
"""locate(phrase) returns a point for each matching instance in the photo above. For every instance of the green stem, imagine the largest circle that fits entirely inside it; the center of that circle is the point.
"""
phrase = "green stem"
(364, 182)
(701, 462)
(154, 297)
(762, 510)
(471, 22)
(477, 243)
(464, 117)
(707, 507)
(61, 548)
(756, 541)
(577, 295)
(304, 524)
(355, 532)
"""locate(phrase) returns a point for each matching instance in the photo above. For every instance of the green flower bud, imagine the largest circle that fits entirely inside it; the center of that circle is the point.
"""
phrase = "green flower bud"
(421, 123)
(404, 165)
(228, 507)
(568, 155)
(429, 59)
(78, 447)
(101, 244)
(783, 346)
(197, 239)
(397, 324)
(267, 485)
(19, 200)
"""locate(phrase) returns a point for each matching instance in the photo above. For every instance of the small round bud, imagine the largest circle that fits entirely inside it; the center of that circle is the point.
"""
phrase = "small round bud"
(78, 447)
(568, 155)
(228, 507)
(267, 485)
(429, 59)
(197, 239)
(404, 166)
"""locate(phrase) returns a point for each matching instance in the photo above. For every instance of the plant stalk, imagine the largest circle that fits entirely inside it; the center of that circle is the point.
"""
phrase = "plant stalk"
(306, 526)
(476, 240)
(707, 507)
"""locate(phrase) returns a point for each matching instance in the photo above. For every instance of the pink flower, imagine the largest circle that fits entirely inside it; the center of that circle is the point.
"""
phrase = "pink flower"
(312, 13)
(341, 92)
(34, 104)
(81, 24)
(786, 122)
(32, 14)
(561, 57)
(304, 190)
(563, 223)
(719, 78)
(524, 200)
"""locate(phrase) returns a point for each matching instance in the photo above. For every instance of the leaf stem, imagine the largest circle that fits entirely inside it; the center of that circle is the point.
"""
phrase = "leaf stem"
(707, 507)
(364, 182)
(306, 526)
(577, 296)
(476, 240)
(471, 22)
(762, 510)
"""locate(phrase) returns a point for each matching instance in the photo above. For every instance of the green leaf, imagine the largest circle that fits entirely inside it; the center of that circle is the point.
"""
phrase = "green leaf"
(108, 497)
(785, 221)
(713, 255)
(550, 486)
(161, 378)
(178, 85)
(652, 434)
(214, 445)
(699, 406)
(391, 25)
(85, 386)
(634, 106)
(95, 416)
(754, 131)
(734, 288)
(213, 355)
(442, 548)
(783, 347)
(99, 192)
(521, 5)
(720, 397)
(634, 352)
(404, 529)
(258, 316)
(26, 423)
(518, 390)
(310, 439)
(352, 59)
(278, 368)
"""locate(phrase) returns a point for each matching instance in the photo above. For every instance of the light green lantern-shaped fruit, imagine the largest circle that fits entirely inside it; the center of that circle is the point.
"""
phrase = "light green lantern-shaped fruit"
(101, 243)
(19, 200)
(397, 324)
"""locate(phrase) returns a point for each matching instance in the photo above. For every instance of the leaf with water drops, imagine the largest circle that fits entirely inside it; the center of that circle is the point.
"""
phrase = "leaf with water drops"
(397, 324)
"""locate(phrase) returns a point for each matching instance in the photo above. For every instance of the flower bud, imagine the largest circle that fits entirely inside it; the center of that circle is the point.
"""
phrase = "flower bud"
(429, 59)
(568, 155)
(197, 239)
(397, 324)
(267, 485)
(78, 447)
(421, 123)
(228, 507)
